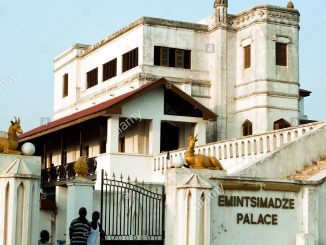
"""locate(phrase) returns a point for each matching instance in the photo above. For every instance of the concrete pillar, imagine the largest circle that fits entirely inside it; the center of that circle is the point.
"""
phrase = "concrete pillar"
(112, 143)
(19, 199)
(80, 194)
(61, 216)
(200, 129)
(310, 218)
(189, 195)
(155, 136)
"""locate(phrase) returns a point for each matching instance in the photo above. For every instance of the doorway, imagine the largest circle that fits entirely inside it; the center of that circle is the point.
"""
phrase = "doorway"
(169, 137)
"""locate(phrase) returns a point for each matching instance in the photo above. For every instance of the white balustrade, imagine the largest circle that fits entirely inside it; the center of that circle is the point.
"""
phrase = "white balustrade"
(236, 152)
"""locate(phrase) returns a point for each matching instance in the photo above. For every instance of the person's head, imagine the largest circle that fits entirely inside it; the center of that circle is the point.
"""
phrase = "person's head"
(82, 212)
(45, 236)
(95, 216)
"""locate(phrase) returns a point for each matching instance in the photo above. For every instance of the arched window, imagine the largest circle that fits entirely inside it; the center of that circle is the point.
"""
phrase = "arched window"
(282, 123)
(247, 128)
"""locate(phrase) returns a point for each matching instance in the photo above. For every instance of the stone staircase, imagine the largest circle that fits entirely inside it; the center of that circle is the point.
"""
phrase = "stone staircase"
(303, 156)
(235, 154)
(309, 171)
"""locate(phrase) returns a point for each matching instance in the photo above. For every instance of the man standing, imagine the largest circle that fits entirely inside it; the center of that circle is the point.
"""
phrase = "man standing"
(96, 229)
(79, 229)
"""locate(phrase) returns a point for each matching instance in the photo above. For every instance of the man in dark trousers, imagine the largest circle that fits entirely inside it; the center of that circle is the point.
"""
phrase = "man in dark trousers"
(79, 229)
(96, 229)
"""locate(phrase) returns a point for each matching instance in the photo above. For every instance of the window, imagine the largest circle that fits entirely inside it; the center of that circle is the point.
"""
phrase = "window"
(130, 60)
(171, 57)
(247, 128)
(281, 54)
(92, 78)
(109, 69)
(65, 85)
(162, 56)
(279, 124)
(247, 56)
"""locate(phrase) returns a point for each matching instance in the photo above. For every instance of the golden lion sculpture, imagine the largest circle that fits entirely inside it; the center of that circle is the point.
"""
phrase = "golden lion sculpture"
(200, 161)
(9, 145)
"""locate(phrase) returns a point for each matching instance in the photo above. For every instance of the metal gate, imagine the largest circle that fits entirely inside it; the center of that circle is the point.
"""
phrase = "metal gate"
(131, 213)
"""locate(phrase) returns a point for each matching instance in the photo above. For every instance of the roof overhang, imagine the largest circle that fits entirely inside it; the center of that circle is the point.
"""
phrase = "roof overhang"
(112, 107)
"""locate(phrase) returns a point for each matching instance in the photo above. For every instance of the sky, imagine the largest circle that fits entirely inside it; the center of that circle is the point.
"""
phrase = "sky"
(33, 32)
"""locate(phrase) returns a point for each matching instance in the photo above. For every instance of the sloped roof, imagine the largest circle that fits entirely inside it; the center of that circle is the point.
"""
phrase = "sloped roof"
(113, 106)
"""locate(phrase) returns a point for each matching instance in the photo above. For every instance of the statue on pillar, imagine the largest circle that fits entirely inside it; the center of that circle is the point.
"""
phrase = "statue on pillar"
(9, 145)
(81, 168)
(200, 161)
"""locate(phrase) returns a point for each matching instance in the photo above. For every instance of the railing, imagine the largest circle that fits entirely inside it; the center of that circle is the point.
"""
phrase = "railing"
(132, 212)
(238, 152)
(58, 175)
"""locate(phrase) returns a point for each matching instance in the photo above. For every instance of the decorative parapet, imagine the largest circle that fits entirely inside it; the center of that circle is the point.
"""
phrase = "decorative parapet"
(265, 14)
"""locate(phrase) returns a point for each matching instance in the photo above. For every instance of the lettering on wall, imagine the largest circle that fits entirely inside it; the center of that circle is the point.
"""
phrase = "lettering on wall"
(256, 202)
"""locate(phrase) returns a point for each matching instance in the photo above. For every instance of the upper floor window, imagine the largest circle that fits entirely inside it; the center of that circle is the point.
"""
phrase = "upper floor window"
(92, 78)
(281, 54)
(130, 60)
(247, 56)
(109, 69)
(172, 57)
(65, 85)
(247, 128)
(279, 124)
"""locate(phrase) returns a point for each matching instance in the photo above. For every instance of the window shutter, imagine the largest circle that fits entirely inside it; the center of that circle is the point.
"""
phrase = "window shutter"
(281, 54)
(247, 56)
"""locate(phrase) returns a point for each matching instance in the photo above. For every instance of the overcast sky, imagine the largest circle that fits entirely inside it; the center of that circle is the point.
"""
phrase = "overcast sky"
(34, 32)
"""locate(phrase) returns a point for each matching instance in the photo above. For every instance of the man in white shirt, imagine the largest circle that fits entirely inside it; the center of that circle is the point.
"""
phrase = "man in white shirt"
(96, 229)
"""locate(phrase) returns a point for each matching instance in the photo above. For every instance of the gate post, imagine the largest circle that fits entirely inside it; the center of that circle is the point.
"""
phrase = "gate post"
(19, 199)
(188, 206)
(80, 194)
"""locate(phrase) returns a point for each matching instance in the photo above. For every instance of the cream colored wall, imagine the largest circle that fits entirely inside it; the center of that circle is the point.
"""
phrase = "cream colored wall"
(77, 69)
(262, 93)
(136, 138)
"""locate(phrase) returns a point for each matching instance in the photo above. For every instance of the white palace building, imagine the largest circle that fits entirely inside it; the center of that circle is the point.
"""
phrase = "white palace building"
(129, 102)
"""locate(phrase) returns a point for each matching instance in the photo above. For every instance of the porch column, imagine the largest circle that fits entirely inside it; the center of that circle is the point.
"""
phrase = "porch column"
(155, 136)
(80, 141)
(200, 129)
(112, 143)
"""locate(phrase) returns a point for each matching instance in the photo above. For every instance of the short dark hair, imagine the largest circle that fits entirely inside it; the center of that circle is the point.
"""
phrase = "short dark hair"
(96, 212)
(45, 236)
(82, 210)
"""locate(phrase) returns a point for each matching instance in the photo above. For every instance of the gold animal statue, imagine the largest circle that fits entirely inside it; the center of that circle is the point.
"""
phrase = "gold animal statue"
(9, 145)
(81, 167)
(200, 161)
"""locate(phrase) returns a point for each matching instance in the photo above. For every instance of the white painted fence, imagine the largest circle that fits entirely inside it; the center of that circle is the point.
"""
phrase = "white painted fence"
(237, 152)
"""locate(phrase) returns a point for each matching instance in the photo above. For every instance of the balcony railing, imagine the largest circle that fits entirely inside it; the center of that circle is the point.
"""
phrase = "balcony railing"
(59, 175)
(236, 152)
